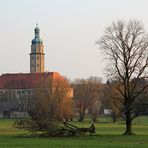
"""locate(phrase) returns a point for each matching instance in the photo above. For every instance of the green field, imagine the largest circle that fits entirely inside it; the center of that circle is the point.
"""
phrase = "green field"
(108, 135)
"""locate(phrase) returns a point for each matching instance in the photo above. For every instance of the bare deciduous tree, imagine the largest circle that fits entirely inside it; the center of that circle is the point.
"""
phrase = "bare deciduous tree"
(87, 97)
(49, 105)
(126, 48)
(111, 100)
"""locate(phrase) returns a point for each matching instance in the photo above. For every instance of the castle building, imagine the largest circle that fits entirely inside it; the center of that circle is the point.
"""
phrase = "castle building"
(15, 88)
(37, 64)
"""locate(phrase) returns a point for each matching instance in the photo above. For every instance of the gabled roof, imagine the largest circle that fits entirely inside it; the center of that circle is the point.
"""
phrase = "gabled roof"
(26, 80)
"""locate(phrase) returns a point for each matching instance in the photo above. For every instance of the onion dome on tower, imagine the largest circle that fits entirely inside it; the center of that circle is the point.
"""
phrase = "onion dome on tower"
(37, 39)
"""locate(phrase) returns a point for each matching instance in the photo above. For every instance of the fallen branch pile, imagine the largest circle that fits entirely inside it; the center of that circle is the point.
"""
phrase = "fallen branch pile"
(55, 131)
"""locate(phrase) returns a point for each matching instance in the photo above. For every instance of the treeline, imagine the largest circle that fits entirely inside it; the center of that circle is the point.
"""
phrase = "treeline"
(92, 97)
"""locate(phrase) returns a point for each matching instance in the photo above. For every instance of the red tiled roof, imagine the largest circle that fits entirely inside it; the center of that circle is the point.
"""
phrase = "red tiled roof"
(26, 80)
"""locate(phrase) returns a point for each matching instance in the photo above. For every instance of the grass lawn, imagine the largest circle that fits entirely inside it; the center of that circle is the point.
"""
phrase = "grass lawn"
(108, 135)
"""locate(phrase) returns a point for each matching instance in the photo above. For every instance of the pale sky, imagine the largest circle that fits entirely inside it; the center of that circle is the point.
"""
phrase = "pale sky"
(69, 29)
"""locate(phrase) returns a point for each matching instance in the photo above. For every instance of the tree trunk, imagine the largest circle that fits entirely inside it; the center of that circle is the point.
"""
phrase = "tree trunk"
(114, 117)
(128, 124)
(94, 117)
(81, 116)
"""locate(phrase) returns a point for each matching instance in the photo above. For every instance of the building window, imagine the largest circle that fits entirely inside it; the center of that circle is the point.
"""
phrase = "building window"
(33, 62)
(32, 56)
(37, 57)
(38, 65)
(33, 69)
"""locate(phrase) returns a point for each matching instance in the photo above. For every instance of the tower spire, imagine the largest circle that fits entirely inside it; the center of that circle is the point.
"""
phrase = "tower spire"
(37, 31)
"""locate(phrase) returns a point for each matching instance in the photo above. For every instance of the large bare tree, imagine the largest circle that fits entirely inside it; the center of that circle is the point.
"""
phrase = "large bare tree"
(126, 48)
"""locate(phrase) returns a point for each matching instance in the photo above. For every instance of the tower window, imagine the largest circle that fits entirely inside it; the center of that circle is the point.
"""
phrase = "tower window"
(32, 57)
(37, 57)
(38, 65)
(33, 62)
